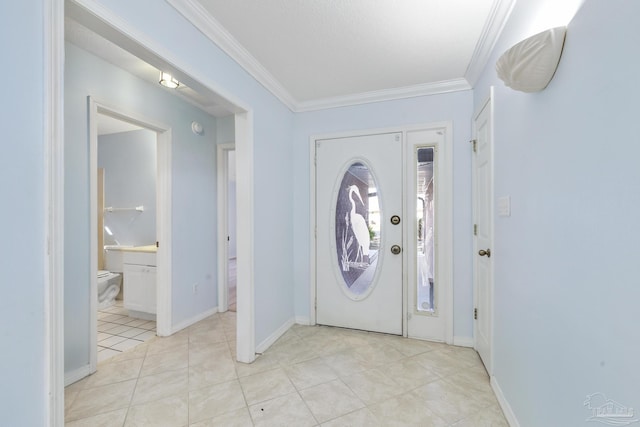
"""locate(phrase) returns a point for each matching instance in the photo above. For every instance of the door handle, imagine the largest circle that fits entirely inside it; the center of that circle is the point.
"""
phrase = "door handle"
(395, 249)
(483, 252)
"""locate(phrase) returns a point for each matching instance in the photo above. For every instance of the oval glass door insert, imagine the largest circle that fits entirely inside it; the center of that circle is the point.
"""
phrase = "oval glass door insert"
(357, 227)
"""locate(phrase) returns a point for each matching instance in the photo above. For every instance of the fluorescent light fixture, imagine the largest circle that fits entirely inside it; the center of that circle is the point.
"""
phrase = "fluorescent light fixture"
(167, 80)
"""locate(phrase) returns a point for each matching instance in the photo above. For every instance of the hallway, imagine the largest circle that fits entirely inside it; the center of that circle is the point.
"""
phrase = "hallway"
(313, 375)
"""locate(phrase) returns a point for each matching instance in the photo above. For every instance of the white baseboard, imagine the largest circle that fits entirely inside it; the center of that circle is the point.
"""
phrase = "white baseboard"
(463, 341)
(77, 375)
(260, 348)
(504, 404)
(303, 320)
(195, 319)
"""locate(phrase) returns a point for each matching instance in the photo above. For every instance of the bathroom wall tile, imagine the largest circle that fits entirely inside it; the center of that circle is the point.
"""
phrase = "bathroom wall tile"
(288, 410)
(329, 400)
(168, 412)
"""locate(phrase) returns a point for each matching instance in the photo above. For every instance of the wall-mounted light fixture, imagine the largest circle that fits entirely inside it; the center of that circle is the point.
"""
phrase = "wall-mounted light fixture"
(167, 80)
(530, 65)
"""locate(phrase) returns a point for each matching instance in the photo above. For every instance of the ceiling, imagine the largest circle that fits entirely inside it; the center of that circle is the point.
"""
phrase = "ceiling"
(323, 53)
(327, 53)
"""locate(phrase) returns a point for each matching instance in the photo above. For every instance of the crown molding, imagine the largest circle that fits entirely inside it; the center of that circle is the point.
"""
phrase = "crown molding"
(493, 27)
(385, 95)
(194, 12)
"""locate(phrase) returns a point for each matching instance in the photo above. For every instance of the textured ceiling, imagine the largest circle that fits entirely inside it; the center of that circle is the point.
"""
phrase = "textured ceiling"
(335, 48)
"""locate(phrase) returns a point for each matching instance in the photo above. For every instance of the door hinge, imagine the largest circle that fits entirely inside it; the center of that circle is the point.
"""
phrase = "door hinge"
(474, 143)
(157, 244)
(475, 314)
(475, 229)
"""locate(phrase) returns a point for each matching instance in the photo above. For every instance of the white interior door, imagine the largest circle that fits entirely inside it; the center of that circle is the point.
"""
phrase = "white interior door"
(483, 233)
(359, 232)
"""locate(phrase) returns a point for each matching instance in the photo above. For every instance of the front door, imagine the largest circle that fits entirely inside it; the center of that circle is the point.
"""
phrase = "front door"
(359, 225)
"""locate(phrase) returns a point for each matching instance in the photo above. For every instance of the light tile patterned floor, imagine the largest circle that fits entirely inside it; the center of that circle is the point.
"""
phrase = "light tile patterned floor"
(118, 332)
(311, 376)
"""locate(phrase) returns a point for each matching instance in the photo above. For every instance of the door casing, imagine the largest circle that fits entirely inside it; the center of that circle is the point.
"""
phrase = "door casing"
(446, 231)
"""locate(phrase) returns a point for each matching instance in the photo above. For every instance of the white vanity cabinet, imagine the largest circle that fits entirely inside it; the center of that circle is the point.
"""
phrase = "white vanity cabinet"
(139, 271)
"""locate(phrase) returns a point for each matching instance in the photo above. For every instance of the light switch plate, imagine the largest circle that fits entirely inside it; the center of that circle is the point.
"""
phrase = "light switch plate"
(504, 206)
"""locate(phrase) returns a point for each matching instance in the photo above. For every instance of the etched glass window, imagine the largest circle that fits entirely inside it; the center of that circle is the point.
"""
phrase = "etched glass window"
(357, 226)
(425, 239)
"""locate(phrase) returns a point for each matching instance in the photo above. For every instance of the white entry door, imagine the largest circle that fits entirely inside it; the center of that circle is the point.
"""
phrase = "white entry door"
(359, 225)
(483, 233)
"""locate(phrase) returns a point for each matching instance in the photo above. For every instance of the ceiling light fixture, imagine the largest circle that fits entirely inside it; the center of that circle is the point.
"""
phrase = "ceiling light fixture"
(167, 80)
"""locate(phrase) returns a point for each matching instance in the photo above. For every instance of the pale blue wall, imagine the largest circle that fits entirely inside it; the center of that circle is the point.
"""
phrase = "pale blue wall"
(193, 189)
(272, 132)
(22, 217)
(455, 107)
(130, 169)
(566, 262)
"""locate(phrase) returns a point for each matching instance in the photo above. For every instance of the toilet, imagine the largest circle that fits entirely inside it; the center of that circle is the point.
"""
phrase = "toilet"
(108, 288)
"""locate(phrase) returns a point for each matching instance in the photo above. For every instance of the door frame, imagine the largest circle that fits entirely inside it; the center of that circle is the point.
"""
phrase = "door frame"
(53, 241)
(223, 224)
(446, 240)
(488, 103)
(163, 215)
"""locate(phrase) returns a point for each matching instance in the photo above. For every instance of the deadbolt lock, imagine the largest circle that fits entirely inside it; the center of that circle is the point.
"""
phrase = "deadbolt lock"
(395, 220)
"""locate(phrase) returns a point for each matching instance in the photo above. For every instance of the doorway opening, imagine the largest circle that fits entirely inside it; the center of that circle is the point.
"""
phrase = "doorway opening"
(227, 228)
(129, 239)
(126, 189)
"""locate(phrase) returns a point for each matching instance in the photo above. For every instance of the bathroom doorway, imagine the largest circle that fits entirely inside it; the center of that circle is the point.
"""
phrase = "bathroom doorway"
(132, 218)
(126, 209)
(227, 246)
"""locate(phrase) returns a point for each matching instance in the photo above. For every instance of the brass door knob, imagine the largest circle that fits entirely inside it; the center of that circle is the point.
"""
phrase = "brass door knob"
(483, 252)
